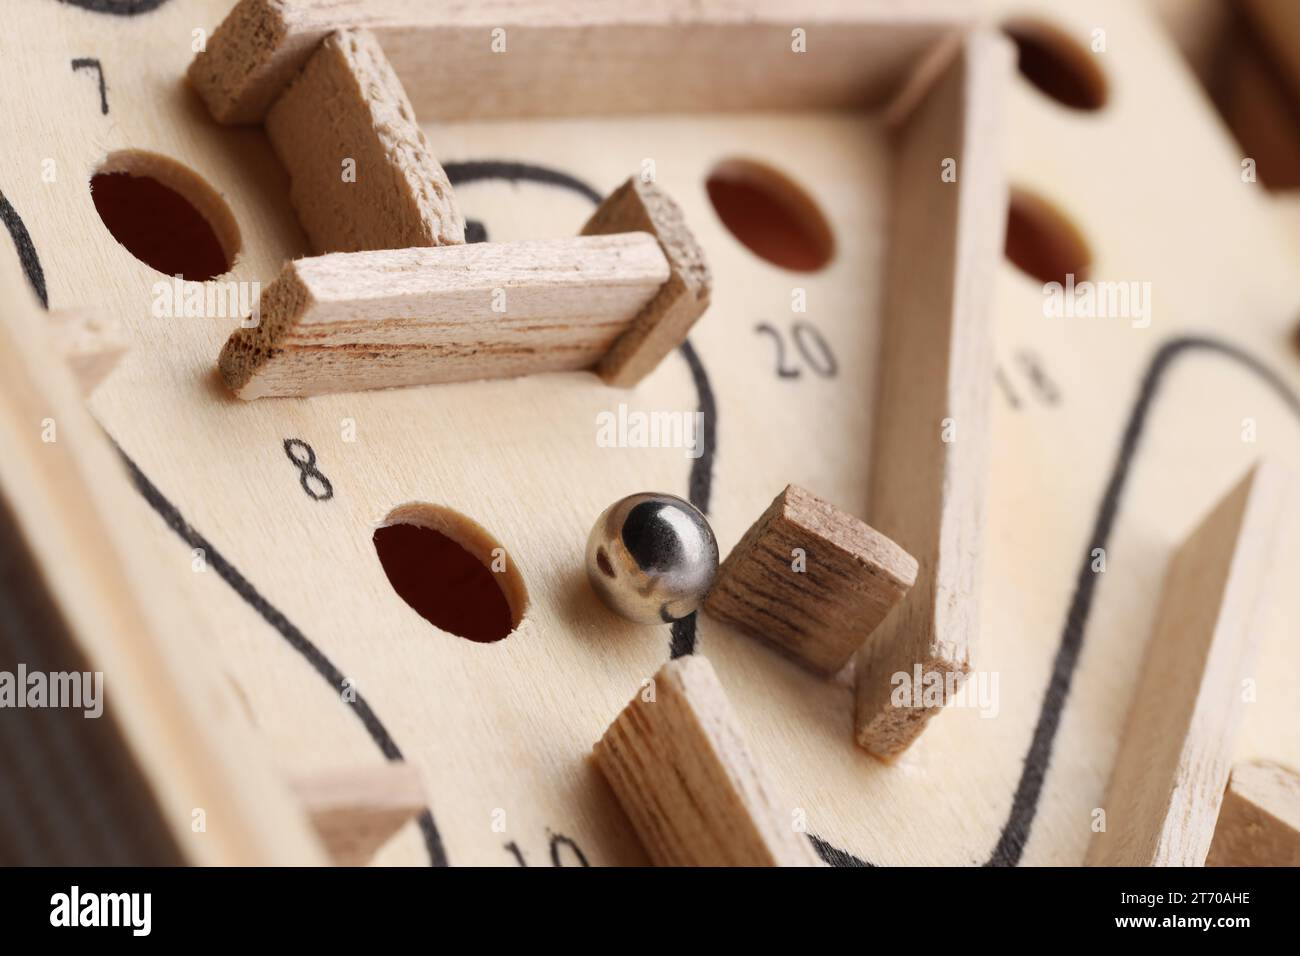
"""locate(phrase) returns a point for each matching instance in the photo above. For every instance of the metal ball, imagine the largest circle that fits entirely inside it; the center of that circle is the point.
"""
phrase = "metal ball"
(652, 558)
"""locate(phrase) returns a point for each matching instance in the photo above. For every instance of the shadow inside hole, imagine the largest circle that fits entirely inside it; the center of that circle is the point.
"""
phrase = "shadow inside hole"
(770, 215)
(165, 215)
(451, 584)
(1058, 65)
(1042, 242)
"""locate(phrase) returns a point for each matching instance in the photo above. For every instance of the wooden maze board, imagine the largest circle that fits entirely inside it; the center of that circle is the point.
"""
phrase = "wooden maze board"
(296, 601)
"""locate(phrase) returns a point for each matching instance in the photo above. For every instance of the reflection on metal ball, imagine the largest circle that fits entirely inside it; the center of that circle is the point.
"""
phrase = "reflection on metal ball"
(652, 558)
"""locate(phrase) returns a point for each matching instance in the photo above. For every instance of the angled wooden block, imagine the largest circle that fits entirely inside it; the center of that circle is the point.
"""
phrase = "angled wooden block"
(929, 453)
(355, 812)
(1173, 762)
(662, 325)
(811, 579)
(682, 772)
(1259, 822)
(91, 344)
(362, 173)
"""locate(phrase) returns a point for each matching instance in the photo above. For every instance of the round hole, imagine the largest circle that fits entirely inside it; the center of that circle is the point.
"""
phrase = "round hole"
(165, 214)
(451, 571)
(771, 215)
(1057, 64)
(1042, 242)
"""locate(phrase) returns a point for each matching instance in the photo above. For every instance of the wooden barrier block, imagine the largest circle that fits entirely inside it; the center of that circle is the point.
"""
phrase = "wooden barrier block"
(615, 302)
(362, 173)
(355, 812)
(811, 579)
(1169, 776)
(930, 444)
(662, 325)
(446, 57)
(679, 766)
(362, 320)
(1259, 822)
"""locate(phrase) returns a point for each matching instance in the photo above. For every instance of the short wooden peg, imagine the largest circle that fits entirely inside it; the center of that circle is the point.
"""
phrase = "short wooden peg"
(811, 579)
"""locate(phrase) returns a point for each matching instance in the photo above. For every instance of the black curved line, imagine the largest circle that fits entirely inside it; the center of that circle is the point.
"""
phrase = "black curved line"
(834, 855)
(700, 484)
(478, 170)
(296, 639)
(118, 8)
(1015, 834)
(27, 256)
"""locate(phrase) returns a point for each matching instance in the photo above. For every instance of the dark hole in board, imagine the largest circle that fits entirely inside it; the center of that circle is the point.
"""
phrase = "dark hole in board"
(158, 226)
(1058, 65)
(602, 562)
(770, 215)
(1042, 242)
(444, 583)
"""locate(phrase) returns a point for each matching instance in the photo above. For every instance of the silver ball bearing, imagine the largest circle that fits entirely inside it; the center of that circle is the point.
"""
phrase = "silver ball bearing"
(652, 558)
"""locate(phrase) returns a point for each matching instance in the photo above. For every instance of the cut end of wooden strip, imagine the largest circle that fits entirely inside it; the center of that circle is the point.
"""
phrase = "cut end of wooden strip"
(1168, 781)
(355, 812)
(249, 59)
(678, 763)
(1259, 822)
(883, 726)
(812, 580)
(362, 173)
(663, 324)
(251, 349)
(91, 344)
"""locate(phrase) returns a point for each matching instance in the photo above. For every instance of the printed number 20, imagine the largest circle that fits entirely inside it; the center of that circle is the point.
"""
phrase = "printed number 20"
(809, 343)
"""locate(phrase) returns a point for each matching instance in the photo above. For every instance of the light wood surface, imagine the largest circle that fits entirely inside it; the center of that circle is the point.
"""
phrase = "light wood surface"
(90, 343)
(355, 812)
(1259, 821)
(362, 174)
(509, 725)
(811, 579)
(102, 602)
(354, 321)
(1176, 752)
(508, 58)
(932, 433)
(677, 761)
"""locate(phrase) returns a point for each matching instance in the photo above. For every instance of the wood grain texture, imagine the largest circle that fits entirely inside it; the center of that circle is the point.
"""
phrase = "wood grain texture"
(725, 54)
(1259, 821)
(518, 455)
(1168, 779)
(848, 579)
(357, 321)
(357, 811)
(931, 433)
(92, 344)
(105, 601)
(662, 325)
(347, 106)
(679, 765)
